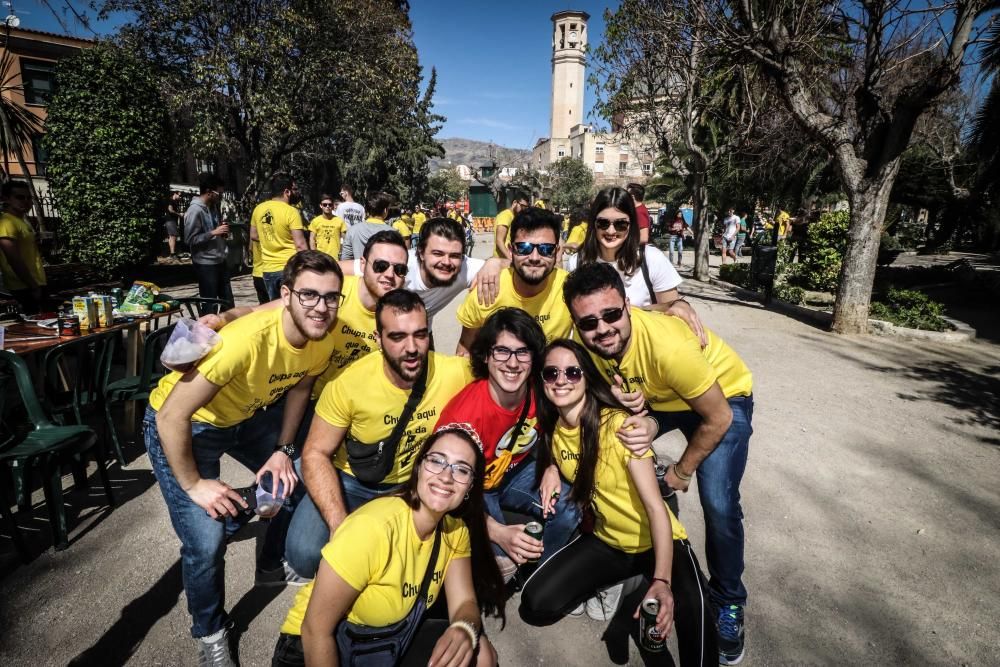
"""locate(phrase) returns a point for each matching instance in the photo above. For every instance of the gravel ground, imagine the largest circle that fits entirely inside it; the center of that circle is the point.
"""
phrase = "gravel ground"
(871, 505)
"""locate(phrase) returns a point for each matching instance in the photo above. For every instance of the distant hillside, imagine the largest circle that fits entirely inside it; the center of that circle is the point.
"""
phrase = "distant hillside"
(474, 153)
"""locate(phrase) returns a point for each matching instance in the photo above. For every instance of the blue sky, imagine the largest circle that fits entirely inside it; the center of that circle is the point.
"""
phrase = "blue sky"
(493, 60)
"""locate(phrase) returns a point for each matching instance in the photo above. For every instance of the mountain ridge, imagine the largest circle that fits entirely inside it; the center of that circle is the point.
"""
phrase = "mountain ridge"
(473, 153)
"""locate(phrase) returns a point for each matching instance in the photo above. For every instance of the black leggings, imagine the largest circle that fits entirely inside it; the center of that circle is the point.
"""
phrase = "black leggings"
(587, 565)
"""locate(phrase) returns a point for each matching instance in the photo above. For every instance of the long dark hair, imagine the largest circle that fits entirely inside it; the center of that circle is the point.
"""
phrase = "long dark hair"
(486, 578)
(627, 258)
(596, 398)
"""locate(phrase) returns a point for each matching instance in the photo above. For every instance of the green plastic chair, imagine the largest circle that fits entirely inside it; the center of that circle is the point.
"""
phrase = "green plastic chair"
(137, 387)
(46, 447)
(197, 306)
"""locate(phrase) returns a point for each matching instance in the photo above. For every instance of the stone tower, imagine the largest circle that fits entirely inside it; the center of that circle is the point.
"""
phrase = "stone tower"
(569, 42)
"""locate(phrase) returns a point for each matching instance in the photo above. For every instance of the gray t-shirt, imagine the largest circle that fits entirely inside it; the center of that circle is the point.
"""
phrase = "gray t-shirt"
(352, 213)
(358, 235)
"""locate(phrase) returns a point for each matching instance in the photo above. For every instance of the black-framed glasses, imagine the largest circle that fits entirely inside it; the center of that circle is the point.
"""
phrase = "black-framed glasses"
(310, 298)
(550, 374)
(460, 472)
(523, 249)
(381, 266)
(621, 224)
(501, 353)
(610, 315)
(326, 204)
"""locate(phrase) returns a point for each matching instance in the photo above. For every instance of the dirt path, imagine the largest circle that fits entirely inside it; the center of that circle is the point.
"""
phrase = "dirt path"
(871, 500)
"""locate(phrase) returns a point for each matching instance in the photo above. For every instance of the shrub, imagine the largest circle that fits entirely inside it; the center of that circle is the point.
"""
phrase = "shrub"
(820, 268)
(737, 274)
(910, 309)
(789, 293)
(109, 151)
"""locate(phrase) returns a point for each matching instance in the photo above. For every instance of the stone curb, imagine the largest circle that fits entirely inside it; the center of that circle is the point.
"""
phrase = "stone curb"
(963, 333)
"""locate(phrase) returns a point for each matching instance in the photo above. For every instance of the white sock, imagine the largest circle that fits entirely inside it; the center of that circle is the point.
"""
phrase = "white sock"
(212, 638)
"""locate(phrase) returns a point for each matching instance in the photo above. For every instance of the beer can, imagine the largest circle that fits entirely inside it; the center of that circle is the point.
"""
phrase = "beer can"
(534, 529)
(69, 325)
(649, 636)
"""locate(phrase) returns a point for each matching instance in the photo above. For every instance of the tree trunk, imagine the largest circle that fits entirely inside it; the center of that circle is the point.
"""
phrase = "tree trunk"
(869, 204)
(702, 233)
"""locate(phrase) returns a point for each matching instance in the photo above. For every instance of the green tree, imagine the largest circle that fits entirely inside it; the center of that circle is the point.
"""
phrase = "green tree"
(571, 183)
(446, 184)
(108, 142)
(275, 84)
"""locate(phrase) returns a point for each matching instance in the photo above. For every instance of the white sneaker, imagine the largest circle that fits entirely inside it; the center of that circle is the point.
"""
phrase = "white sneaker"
(507, 567)
(279, 576)
(213, 651)
(603, 606)
(578, 612)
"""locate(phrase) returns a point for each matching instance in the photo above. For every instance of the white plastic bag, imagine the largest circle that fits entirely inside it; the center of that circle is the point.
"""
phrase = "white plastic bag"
(189, 342)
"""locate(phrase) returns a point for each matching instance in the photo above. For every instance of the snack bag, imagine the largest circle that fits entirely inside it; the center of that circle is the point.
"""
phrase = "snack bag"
(140, 298)
(189, 343)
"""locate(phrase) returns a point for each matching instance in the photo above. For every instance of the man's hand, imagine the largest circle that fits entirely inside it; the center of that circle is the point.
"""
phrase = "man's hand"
(637, 433)
(487, 281)
(676, 482)
(633, 400)
(220, 230)
(549, 490)
(212, 321)
(683, 310)
(282, 471)
(518, 544)
(665, 617)
(453, 649)
(215, 497)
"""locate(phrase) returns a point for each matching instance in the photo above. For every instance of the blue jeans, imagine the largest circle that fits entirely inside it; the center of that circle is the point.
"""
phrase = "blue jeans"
(719, 477)
(203, 539)
(308, 532)
(517, 492)
(676, 244)
(272, 282)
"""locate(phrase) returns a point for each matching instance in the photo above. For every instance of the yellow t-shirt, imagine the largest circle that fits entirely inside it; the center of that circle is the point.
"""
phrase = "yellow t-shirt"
(784, 220)
(20, 232)
(363, 399)
(275, 221)
(254, 365)
(377, 551)
(664, 359)
(258, 270)
(400, 226)
(327, 233)
(547, 307)
(418, 222)
(577, 234)
(621, 520)
(505, 218)
(353, 334)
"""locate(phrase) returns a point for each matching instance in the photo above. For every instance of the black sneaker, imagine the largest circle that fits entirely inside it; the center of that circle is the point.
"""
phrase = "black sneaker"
(731, 635)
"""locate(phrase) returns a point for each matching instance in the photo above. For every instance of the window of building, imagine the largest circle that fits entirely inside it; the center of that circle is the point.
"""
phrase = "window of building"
(622, 168)
(41, 155)
(599, 149)
(647, 168)
(38, 78)
(562, 152)
(623, 148)
(205, 166)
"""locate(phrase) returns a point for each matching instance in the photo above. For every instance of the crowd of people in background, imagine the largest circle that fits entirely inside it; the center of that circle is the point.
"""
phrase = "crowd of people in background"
(424, 490)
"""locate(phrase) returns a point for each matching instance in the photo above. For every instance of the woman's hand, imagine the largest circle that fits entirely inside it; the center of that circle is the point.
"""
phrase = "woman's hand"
(517, 544)
(453, 649)
(683, 310)
(549, 490)
(665, 617)
(633, 400)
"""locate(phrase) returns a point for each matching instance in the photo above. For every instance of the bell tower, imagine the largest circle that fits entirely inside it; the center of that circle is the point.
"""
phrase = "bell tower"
(569, 42)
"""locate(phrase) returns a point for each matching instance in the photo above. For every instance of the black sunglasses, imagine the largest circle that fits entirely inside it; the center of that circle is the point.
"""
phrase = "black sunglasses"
(621, 224)
(550, 374)
(589, 323)
(381, 266)
(523, 248)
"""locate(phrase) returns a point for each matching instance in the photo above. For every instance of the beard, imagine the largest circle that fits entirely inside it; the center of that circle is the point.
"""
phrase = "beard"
(300, 322)
(396, 364)
(434, 281)
(532, 280)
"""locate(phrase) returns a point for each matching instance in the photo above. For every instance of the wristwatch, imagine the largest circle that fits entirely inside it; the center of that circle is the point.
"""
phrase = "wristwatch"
(289, 449)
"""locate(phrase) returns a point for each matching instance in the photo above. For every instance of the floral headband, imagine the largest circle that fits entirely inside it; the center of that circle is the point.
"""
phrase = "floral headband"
(464, 427)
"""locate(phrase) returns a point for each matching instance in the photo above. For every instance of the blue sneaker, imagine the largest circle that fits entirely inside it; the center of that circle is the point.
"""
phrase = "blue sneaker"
(731, 634)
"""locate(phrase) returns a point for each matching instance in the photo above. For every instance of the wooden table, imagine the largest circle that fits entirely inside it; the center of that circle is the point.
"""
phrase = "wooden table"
(31, 344)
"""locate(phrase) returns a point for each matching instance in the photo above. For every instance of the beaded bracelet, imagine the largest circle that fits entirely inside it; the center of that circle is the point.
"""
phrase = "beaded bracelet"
(469, 628)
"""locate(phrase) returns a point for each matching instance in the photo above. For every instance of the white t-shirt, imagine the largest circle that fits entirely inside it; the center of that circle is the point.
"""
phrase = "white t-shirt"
(436, 298)
(662, 275)
(732, 227)
(350, 212)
